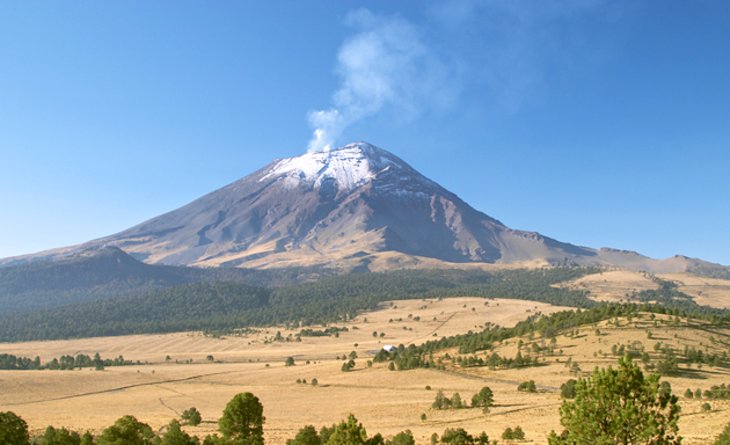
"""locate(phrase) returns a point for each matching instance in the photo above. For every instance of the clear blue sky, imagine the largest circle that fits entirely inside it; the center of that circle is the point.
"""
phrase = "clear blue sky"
(601, 123)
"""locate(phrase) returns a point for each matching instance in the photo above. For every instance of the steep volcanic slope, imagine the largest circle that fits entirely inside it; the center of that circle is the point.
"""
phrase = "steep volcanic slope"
(345, 203)
(343, 208)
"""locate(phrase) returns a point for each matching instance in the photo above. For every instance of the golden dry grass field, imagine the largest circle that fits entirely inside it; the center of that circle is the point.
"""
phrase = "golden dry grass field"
(385, 401)
(707, 291)
(612, 286)
(619, 285)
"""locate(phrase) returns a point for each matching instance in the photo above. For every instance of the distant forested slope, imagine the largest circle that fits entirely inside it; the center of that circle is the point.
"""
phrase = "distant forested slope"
(220, 305)
(111, 273)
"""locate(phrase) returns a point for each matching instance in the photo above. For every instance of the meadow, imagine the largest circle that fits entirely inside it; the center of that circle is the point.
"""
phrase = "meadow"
(182, 370)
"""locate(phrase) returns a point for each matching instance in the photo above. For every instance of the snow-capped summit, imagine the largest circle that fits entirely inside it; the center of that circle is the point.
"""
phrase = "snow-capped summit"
(349, 166)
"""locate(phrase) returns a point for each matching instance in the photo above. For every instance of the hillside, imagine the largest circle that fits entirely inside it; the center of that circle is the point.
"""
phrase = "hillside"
(108, 272)
(225, 305)
(625, 285)
(176, 372)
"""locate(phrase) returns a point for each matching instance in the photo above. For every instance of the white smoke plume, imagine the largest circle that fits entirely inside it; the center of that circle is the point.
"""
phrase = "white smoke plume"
(506, 52)
(385, 64)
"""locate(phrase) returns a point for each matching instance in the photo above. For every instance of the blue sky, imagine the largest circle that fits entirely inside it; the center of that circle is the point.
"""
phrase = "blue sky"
(601, 123)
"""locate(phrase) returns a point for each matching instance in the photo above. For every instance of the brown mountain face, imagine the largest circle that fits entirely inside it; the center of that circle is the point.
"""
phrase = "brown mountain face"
(354, 207)
(337, 207)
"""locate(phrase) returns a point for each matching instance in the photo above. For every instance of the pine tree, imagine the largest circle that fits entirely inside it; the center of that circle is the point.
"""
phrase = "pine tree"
(620, 406)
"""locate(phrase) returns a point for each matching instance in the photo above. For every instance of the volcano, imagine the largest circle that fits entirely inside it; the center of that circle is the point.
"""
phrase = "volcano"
(356, 207)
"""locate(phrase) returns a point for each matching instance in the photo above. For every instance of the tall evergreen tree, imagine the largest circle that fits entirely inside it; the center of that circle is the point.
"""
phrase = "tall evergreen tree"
(620, 406)
(243, 420)
(13, 429)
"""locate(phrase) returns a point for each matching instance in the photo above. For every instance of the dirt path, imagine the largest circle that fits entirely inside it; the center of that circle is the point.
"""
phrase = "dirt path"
(470, 376)
(430, 334)
(121, 388)
(162, 402)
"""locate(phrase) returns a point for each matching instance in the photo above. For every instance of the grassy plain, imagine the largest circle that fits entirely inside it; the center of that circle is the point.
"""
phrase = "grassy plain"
(618, 285)
(385, 401)
(707, 291)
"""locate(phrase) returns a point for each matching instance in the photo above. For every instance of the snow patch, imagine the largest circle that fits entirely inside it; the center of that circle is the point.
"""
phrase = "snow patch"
(350, 166)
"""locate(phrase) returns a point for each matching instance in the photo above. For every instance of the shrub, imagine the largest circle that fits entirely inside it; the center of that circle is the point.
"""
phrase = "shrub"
(567, 389)
(192, 416)
(527, 386)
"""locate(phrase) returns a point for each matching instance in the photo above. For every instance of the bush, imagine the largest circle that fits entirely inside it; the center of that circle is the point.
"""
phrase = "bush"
(527, 386)
(567, 389)
(348, 365)
(191, 416)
